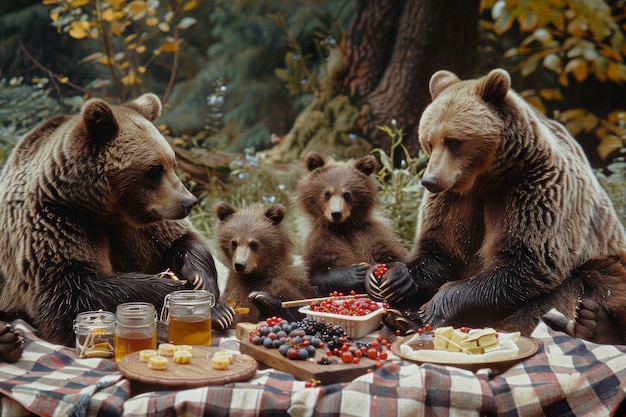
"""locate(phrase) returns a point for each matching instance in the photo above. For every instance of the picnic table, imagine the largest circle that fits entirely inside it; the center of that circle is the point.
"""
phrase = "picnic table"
(566, 377)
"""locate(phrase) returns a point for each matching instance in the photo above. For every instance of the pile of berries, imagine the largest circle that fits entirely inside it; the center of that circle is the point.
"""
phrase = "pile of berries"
(297, 340)
(352, 353)
(380, 270)
(346, 307)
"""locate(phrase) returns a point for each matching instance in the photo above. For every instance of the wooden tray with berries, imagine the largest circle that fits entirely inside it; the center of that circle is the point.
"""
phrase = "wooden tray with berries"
(320, 367)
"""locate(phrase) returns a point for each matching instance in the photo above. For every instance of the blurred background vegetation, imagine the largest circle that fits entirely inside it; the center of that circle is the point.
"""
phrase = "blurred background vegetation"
(249, 86)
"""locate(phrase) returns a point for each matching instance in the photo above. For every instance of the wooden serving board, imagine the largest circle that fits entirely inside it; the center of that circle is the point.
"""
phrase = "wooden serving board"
(196, 374)
(308, 369)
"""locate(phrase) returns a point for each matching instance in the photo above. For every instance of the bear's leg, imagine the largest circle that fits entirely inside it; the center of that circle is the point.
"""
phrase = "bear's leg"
(11, 343)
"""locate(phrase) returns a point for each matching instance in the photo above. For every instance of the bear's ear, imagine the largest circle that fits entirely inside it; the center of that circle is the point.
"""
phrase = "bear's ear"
(148, 105)
(366, 164)
(494, 86)
(440, 81)
(224, 210)
(313, 160)
(99, 120)
(275, 213)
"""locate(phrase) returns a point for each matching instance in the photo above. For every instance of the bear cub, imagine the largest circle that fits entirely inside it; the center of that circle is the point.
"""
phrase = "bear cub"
(91, 213)
(260, 255)
(346, 229)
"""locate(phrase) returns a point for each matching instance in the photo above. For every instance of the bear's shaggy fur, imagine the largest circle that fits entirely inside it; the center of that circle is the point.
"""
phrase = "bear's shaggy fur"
(347, 231)
(256, 247)
(92, 212)
(514, 222)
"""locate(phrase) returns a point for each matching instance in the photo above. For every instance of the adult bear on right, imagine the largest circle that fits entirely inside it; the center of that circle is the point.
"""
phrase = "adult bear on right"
(513, 223)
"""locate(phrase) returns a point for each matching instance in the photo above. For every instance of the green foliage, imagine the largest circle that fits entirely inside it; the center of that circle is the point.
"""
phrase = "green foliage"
(400, 188)
(269, 53)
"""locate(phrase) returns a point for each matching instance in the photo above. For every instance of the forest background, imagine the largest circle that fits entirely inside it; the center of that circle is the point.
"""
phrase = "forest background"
(250, 86)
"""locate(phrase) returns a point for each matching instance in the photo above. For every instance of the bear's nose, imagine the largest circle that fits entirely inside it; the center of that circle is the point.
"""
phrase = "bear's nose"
(240, 266)
(431, 183)
(336, 214)
(188, 203)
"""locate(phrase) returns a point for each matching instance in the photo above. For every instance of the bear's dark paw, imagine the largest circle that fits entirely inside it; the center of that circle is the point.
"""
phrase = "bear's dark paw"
(395, 320)
(591, 322)
(270, 306)
(594, 323)
(222, 316)
(11, 343)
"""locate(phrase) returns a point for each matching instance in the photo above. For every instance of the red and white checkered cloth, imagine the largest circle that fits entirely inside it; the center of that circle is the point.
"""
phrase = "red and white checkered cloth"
(566, 377)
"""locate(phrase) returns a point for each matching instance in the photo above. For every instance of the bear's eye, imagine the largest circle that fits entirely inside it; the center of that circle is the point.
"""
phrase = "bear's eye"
(155, 173)
(326, 194)
(254, 245)
(453, 145)
(233, 244)
(347, 196)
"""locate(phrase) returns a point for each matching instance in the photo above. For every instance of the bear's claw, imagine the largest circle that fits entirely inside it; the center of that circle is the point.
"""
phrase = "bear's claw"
(11, 343)
(270, 306)
(396, 320)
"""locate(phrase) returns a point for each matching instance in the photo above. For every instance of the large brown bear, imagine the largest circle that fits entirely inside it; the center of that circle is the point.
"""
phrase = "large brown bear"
(514, 222)
(346, 231)
(260, 254)
(91, 211)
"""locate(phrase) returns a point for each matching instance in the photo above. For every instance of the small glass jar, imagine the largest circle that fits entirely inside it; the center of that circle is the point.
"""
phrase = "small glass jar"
(188, 316)
(95, 334)
(135, 329)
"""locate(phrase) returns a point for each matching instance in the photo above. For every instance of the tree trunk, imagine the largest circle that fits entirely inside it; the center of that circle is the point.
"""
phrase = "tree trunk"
(389, 70)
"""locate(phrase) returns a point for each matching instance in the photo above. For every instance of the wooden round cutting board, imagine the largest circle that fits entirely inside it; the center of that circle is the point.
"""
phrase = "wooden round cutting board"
(196, 374)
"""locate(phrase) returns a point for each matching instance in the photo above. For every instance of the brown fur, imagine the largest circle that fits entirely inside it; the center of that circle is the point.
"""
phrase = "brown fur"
(340, 200)
(259, 253)
(92, 211)
(515, 222)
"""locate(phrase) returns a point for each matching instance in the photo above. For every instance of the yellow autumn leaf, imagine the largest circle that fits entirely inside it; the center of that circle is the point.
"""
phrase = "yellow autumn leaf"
(572, 114)
(590, 122)
(190, 5)
(78, 29)
(141, 69)
(63, 80)
(578, 67)
(108, 15)
(617, 117)
(574, 127)
(613, 72)
(169, 46)
(78, 3)
(152, 21)
(136, 8)
(550, 94)
(141, 49)
(608, 144)
(105, 60)
(49, 2)
(129, 79)
(131, 46)
(537, 103)
(116, 4)
(116, 28)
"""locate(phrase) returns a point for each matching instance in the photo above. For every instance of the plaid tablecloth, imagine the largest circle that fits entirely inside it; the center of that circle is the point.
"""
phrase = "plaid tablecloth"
(567, 377)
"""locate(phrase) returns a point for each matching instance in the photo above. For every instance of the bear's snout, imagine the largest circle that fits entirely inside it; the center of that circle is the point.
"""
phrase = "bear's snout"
(188, 203)
(431, 182)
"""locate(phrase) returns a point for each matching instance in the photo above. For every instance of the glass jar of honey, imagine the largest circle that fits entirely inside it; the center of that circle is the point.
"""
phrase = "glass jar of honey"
(135, 329)
(188, 317)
